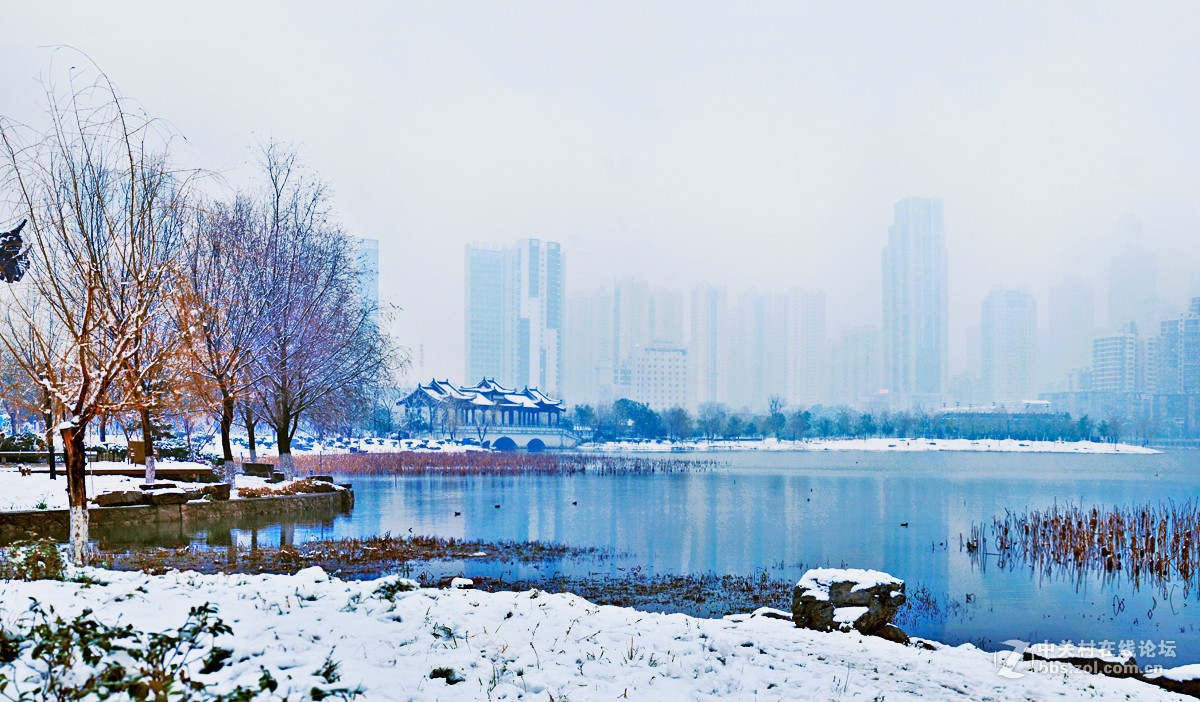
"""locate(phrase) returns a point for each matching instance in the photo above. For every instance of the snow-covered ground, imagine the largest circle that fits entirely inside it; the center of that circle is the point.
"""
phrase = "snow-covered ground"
(538, 646)
(1006, 445)
(38, 491)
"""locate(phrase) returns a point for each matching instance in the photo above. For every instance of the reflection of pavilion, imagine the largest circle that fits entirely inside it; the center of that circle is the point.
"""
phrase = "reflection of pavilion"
(488, 407)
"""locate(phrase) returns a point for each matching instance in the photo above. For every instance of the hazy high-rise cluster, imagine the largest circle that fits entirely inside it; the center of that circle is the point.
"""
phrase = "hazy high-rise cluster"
(671, 347)
(514, 313)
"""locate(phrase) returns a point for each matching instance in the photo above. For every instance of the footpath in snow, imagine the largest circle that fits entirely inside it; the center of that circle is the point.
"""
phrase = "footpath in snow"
(877, 444)
(533, 646)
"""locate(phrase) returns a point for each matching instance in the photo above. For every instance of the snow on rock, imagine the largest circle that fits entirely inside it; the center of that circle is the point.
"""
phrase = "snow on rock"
(38, 491)
(535, 646)
(1091, 659)
(827, 599)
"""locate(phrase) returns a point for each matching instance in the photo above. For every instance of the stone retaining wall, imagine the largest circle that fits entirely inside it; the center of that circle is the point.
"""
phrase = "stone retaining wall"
(49, 521)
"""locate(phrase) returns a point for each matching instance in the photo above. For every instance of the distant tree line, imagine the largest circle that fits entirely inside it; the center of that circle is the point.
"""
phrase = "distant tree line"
(627, 419)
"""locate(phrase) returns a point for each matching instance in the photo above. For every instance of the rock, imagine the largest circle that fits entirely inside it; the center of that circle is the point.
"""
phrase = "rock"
(322, 478)
(276, 477)
(120, 498)
(260, 470)
(1093, 660)
(828, 599)
(891, 632)
(157, 485)
(456, 583)
(173, 496)
(216, 491)
(193, 494)
(1185, 679)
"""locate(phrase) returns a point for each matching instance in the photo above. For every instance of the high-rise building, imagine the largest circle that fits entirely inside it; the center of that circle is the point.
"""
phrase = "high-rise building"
(489, 319)
(587, 347)
(1008, 335)
(666, 317)
(915, 305)
(660, 377)
(707, 349)
(857, 364)
(516, 297)
(631, 310)
(1118, 362)
(1071, 327)
(745, 330)
(368, 261)
(806, 367)
(1132, 289)
(1173, 359)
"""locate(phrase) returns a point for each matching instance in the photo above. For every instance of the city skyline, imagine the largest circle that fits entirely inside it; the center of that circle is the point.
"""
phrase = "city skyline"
(680, 144)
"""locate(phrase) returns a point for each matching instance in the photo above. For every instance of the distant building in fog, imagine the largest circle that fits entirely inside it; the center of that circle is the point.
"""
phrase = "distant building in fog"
(708, 348)
(660, 377)
(857, 366)
(1132, 289)
(515, 296)
(1071, 327)
(915, 306)
(1008, 335)
(1118, 362)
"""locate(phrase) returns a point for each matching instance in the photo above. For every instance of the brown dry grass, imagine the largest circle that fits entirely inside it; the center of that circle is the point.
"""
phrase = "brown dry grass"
(345, 557)
(487, 462)
(307, 486)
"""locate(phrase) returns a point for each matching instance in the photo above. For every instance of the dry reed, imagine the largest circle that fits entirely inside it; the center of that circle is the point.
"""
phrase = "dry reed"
(1158, 543)
(488, 463)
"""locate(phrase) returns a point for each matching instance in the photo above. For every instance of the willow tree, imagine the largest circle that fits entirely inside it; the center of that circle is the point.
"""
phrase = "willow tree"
(102, 203)
(321, 341)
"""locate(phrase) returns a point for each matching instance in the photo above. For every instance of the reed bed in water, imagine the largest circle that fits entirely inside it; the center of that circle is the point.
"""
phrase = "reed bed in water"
(489, 463)
(1160, 542)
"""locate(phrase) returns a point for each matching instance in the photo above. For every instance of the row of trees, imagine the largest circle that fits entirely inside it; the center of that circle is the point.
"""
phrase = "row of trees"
(627, 419)
(145, 297)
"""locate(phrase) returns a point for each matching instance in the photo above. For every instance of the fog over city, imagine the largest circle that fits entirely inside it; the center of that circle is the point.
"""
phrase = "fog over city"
(685, 143)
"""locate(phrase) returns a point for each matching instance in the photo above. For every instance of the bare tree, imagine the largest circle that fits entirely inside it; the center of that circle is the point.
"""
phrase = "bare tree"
(321, 340)
(219, 303)
(101, 198)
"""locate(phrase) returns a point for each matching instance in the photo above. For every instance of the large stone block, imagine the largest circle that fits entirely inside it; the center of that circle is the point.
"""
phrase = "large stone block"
(120, 498)
(828, 599)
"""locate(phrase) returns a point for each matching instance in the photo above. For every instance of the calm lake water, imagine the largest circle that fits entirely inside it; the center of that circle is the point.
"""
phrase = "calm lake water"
(785, 512)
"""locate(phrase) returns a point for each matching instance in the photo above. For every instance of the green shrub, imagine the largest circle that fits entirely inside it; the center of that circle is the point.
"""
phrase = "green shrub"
(32, 560)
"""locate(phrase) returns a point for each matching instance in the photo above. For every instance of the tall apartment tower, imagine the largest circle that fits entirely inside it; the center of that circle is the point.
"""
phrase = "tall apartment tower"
(368, 261)
(1118, 362)
(1071, 327)
(707, 350)
(915, 306)
(1008, 335)
(514, 314)
(489, 322)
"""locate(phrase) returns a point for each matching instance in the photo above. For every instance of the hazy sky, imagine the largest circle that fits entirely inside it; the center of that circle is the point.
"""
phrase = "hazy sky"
(748, 144)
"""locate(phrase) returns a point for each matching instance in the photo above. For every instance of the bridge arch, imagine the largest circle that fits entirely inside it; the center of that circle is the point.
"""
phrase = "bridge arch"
(535, 445)
(504, 444)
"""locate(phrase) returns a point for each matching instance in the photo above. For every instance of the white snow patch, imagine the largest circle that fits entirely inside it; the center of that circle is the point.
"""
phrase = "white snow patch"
(530, 645)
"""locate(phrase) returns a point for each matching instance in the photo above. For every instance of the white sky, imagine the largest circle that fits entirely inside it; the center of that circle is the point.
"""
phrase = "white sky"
(681, 142)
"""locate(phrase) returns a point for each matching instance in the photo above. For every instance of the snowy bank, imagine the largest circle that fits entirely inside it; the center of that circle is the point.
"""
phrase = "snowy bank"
(997, 445)
(465, 644)
(38, 491)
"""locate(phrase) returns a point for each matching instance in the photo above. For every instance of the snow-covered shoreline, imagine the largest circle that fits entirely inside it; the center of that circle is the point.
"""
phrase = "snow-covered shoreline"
(37, 491)
(875, 444)
(533, 645)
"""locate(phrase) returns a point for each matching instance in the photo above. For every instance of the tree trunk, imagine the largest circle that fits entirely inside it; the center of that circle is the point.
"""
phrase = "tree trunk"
(148, 442)
(50, 462)
(286, 465)
(76, 492)
(250, 438)
(226, 425)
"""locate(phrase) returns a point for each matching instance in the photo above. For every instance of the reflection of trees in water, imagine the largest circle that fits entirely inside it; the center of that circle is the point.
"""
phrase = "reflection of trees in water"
(1154, 546)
